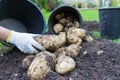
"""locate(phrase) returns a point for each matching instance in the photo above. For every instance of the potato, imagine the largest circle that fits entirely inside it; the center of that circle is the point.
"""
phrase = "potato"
(52, 42)
(71, 50)
(41, 65)
(58, 16)
(64, 64)
(88, 38)
(27, 61)
(80, 33)
(74, 39)
(58, 28)
(76, 24)
(62, 21)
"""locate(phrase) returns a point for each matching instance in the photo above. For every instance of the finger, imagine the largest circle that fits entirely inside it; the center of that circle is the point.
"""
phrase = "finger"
(38, 46)
(32, 50)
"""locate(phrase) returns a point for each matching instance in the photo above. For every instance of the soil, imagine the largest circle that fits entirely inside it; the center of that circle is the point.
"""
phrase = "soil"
(99, 60)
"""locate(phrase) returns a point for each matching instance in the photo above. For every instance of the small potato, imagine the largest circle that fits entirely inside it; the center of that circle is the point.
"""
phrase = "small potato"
(41, 66)
(73, 50)
(62, 21)
(59, 16)
(74, 39)
(76, 24)
(64, 64)
(27, 61)
(58, 28)
(80, 33)
(88, 38)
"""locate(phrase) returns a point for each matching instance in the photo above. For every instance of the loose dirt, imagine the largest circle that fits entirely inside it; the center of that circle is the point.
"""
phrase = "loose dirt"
(99, 60)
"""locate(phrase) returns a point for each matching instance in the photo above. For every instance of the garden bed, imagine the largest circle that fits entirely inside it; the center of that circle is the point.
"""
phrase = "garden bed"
(99, 60)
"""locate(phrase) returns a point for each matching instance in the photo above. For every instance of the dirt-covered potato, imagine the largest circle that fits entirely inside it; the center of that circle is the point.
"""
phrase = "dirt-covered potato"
(58, 28)
(62, 21)
(80, 33)
(64, 64)
(76, 24)
(71, 50)
(41, 65)
(72, 39)
(27, 61)
(88, 38)
(52, 42)
(59, 16)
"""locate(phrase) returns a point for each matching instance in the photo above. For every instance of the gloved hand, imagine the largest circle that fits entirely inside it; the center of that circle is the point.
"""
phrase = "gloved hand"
(25, 42)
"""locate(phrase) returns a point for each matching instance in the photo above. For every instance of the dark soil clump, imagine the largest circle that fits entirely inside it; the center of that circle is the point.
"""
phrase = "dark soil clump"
(99, 60)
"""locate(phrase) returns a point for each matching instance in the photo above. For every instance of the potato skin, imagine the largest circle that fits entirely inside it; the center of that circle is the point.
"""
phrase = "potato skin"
(58, 28)
(52, 42)
(64, 64)
(27, 61)
(40, 67)
(71, 50)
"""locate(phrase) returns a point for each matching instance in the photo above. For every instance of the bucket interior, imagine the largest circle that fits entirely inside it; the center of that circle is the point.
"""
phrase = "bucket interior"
(67, 10)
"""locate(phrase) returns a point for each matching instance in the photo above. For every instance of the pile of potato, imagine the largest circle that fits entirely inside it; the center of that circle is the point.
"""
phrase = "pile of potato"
(61, 49)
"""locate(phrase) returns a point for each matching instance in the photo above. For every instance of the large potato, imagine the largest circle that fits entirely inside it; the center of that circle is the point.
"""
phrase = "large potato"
(41, 65)
(71, 50)
(64, 64)
(27, 61)
(52, 42)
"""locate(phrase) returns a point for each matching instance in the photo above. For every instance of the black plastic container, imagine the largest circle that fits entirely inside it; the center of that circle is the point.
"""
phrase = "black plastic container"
(66, 9)
(24, 15)
(110, 23)
(25, 12)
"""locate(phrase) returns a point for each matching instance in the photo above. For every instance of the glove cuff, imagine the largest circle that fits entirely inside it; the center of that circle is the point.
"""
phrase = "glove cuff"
(9, 36)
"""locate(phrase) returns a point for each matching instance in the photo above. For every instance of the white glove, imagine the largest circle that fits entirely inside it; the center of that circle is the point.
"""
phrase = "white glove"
(25, 42)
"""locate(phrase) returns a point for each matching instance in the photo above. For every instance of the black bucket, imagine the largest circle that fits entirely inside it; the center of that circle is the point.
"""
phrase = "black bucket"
(66, 9)
(110, 23)
(23, 12)
(22, 16)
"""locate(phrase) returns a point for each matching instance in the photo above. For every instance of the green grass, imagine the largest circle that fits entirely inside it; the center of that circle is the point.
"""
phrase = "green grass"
(1, 44)
(90, 15)
(96, 34)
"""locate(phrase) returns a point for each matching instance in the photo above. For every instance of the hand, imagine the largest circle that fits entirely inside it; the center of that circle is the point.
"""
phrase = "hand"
(25, 42)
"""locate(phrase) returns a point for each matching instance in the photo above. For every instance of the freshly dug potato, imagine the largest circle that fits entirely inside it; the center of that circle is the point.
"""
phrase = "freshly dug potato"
(62, 21)
(76, 24)
(88, 38)
(58, 28)
(72, 39)
(59, 16)
(52, 42)
(27, 61)
(64, 64)
(80, 33)
(41, 65)
(68, 25)
(71, 50)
